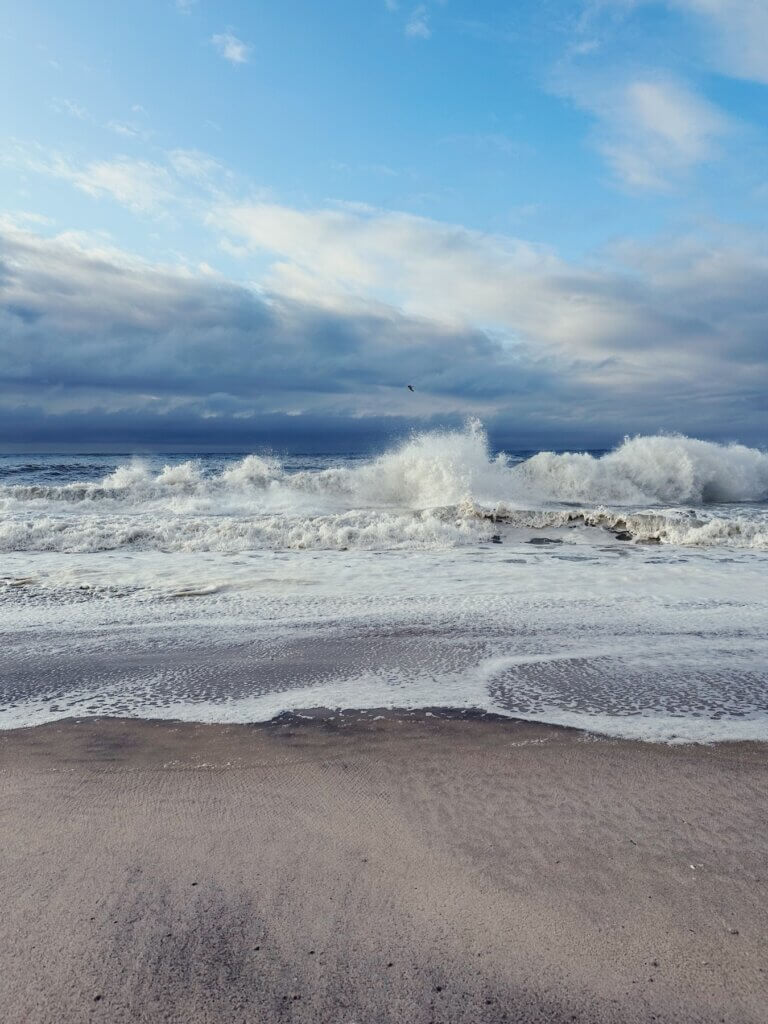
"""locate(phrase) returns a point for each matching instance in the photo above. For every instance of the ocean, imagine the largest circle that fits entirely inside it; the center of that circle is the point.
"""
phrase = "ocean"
(625, 592)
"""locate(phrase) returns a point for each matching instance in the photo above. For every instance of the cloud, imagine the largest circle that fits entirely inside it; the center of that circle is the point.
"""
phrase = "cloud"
(661, 129)
(65, 106)
(196, 165)
(430, 269)
(137, 184)
(417, 26)
(733, 31)
(632, 313)
(445, 272)
(185, 6)
(187, 177)
(651, 129)
(674, 340)
(32, 427)
(231, 48)
(85, 325)
(738, 31)
(128, 129)
(24, 218)
(611, 324)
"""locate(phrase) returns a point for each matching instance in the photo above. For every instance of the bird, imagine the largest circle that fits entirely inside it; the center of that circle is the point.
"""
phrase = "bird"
(411, 387)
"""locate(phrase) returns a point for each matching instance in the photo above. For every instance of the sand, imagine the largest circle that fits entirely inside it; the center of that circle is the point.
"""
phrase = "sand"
(397, 868)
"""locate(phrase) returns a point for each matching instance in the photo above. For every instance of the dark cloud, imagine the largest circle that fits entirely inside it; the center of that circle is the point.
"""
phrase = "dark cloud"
(102, 351)
(31, 428)
(76, 323)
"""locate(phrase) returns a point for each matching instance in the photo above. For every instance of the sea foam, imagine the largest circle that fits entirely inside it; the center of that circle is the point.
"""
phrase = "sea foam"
(434, 489)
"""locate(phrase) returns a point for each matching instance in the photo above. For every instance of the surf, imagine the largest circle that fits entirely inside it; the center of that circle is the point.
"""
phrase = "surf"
(433, 489)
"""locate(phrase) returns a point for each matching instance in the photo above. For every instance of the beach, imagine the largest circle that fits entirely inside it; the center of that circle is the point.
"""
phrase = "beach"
(384, 512)
(381, 866)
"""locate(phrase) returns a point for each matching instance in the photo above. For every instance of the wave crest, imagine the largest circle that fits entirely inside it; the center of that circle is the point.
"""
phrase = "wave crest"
(444, 468)
(436, 488)
(665, 469)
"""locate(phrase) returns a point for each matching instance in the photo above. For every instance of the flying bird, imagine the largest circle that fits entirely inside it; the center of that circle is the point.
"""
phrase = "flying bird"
(411, 387)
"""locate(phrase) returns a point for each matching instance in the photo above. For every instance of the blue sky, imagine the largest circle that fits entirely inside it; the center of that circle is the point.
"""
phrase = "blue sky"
(223, 221)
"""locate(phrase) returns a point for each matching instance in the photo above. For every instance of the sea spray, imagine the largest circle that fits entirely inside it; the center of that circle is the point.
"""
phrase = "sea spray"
(434, 489)
(665, 469)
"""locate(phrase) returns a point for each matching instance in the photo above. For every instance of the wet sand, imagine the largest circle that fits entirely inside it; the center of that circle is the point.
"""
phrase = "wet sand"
(408, 868)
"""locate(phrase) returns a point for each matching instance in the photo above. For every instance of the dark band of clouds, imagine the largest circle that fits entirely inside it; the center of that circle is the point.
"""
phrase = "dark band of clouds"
(101, 351)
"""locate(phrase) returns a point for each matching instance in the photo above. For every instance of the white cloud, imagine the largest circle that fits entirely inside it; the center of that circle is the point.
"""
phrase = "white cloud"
(417, 26)
(736, 29)
(194, 164)
(128, 129)
(188, 179)
(739, 34)
(64, 106)
(185, 6)
(666, 128)
(231, 48)
(441, 271)
(125, 128)
(137, 184)
(23, 219)
(652, 129)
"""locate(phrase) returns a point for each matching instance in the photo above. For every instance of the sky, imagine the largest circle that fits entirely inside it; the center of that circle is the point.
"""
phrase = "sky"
(225, 224)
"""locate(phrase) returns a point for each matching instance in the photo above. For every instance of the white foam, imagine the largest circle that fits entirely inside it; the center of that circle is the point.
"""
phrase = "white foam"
(633, 642)
(436, 489)
(666, 469)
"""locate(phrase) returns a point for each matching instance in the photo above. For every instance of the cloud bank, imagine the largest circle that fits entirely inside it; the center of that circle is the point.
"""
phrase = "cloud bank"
(96, 342)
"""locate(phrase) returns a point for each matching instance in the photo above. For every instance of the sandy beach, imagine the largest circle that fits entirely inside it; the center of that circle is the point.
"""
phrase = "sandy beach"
(379, 867)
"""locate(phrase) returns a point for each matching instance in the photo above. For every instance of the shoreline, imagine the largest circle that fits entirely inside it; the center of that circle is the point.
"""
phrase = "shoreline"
(379, 866)
(343, 717)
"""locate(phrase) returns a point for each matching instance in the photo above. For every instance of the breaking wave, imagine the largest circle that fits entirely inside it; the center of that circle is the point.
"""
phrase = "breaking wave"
(665, 470)
(436, 489)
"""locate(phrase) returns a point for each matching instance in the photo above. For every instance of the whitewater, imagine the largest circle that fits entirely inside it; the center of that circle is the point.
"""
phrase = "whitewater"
(621, 592)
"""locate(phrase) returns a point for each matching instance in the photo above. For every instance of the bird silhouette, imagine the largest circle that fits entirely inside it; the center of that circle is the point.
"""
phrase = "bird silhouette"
(411, 387)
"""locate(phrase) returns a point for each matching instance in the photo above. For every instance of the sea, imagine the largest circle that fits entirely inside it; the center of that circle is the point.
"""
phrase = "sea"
(624, 592)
